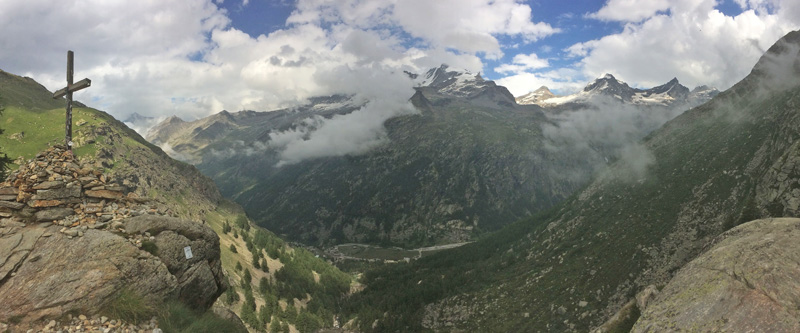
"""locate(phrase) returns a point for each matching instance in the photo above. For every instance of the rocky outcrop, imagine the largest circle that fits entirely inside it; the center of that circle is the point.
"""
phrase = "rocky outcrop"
(748, 282)
(71, 242)
(57, 275)
(199, 278)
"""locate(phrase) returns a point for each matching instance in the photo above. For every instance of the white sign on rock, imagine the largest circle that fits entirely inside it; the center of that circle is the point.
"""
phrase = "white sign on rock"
(188, 252)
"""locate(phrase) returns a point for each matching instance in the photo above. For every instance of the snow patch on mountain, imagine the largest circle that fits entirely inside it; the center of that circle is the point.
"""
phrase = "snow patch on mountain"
(535, 96)
(460, 83)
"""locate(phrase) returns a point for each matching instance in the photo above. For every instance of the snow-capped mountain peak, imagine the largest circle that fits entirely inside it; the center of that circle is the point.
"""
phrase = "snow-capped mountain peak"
(705, 90)
(462, 83)
(673, 88)
(442, 76)
(609, 85)
(535, 96)
(664, 94)
(703, 93)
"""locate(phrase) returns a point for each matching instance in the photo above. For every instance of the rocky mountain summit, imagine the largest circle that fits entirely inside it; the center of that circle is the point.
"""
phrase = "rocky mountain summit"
(140, 123)
(187, 140)
(72, 241)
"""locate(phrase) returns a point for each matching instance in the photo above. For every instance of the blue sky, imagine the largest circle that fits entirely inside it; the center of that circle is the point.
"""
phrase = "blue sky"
(193, 58)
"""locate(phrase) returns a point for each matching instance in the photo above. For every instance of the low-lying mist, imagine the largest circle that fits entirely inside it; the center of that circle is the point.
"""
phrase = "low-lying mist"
(603, 130)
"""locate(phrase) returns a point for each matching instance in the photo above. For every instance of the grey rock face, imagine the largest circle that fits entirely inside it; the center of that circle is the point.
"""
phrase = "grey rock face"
(14, 249)
(50, 276)
(200, 279)
(78, 274)
(225, 313)
(748, 282)
(11, 204)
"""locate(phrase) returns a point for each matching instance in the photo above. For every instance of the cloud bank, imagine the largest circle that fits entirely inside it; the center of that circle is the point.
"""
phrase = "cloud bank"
(159, 58)
(606, 130)
(659, 39)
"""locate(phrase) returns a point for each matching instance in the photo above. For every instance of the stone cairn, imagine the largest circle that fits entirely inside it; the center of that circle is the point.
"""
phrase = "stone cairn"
(58, 188)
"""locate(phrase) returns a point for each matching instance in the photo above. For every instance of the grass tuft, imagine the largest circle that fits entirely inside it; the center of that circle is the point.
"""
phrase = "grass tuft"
(130, 307)
(177, 317)
(150, 247)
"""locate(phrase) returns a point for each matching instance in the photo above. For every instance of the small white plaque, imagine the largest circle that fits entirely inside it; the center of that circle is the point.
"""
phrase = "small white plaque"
(188, 252)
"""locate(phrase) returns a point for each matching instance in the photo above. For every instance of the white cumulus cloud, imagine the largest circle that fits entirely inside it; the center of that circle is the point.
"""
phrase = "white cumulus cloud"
(523, 62)
(630, 10)
(692, 41)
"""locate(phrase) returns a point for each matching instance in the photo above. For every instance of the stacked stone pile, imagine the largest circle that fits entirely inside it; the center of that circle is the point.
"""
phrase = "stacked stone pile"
(56, 187)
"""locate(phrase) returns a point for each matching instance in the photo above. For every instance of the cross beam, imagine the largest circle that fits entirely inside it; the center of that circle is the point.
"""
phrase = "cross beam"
(67, 91)
(85, 83)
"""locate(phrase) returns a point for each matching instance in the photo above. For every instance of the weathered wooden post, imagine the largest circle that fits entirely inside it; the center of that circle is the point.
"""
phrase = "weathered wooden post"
(68, 90)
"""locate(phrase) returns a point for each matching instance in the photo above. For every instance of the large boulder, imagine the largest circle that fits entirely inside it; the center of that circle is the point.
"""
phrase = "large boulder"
(200, 278)
(46, 273)
(749, 281)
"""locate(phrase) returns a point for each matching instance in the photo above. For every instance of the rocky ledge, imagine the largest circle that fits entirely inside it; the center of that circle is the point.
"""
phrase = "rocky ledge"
(71, 242)
(749, 281)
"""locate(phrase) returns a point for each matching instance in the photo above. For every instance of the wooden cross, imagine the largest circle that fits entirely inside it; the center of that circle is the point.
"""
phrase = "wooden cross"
(68, 90)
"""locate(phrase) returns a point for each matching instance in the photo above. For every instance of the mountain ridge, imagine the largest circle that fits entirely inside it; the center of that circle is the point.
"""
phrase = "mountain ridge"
(671, 93)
